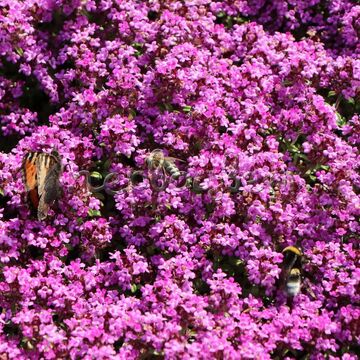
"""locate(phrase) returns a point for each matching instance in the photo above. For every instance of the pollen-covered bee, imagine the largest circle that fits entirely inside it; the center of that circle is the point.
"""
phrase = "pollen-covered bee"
(292, 267)
(157, 160)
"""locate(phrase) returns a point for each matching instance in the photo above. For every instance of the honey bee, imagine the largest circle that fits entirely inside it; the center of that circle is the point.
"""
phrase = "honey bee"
(157, 160)
(292, 266)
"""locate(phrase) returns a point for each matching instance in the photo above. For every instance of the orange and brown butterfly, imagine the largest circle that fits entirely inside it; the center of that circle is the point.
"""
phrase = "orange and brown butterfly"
(41, 176)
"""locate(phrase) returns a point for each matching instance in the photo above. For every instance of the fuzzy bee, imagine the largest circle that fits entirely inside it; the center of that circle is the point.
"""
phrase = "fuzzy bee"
(157, 160)
(292, 267)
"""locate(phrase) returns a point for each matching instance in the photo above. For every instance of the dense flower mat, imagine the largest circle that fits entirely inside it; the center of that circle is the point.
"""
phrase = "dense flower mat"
(266, 92)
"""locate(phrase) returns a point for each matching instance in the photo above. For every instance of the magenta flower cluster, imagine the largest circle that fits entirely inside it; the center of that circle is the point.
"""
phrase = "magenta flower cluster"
(267, 91)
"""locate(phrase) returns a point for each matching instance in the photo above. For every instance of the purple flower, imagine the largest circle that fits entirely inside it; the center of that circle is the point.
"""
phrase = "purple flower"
(258, 103)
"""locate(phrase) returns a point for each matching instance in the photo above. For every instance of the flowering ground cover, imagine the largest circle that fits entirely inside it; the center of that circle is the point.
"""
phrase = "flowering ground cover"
(261, 94)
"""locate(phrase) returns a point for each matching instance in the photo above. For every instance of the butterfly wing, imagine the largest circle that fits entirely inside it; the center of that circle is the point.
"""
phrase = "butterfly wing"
(41, 178)
(30, 177)
(43, 164)
(48, 173)
(52, 184)
(43, 209)
(29, 168)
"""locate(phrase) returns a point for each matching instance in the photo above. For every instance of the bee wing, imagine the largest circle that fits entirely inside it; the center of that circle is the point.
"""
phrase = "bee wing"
(169, 158)
(309, 289)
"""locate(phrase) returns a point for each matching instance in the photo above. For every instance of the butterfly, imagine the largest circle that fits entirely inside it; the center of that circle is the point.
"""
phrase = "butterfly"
(41, 176)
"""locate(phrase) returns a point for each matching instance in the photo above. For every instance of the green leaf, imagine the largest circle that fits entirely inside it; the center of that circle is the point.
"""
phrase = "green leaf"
(132, 113)
(107, 164)
(168, 107)
(1, 192)
(137, 45)
(287, 82)
(340, 121)
(239, 262)
(186, 108)
(240, 20)
(235, 261)
(309, 172)
(331, 93)
(19, 51)
(133, 288)
(351, 101)
(93, 213)
(293, 148)
(302, 156)
(255, 290)
(84, 12)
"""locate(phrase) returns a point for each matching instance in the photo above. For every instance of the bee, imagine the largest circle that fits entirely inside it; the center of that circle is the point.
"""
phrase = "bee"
(157, 160)
(292, 267)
